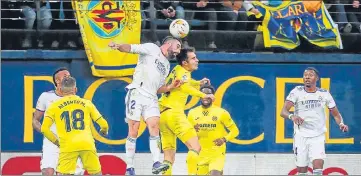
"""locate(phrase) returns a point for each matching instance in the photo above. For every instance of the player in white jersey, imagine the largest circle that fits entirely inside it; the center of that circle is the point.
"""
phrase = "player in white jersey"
(310, 121)
(50, 155)
(141, 100)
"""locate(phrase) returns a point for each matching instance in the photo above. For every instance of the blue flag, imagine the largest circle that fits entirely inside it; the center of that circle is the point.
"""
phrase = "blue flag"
(282, 24)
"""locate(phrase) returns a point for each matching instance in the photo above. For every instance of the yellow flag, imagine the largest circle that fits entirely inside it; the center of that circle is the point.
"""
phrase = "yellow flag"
(103, 21)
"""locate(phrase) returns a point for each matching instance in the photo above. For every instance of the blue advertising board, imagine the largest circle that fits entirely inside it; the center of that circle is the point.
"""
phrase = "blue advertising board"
(253, 94)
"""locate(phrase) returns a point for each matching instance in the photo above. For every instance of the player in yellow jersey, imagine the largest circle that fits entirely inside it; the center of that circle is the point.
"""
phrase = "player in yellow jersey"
(211, 122)
(73, 116)
(173, 121)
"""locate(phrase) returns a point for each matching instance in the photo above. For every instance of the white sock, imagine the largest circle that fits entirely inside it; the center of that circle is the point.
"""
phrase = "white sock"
(154, 146)
(317, 172)
(302, 173)
(130, 151)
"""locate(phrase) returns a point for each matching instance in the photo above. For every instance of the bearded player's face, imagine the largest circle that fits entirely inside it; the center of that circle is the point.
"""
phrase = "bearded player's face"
(206, 102)
(174, 49)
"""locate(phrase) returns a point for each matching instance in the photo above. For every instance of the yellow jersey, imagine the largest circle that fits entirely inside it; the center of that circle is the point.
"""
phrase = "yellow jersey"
(213, 122)
(72, 116)
(177, 98)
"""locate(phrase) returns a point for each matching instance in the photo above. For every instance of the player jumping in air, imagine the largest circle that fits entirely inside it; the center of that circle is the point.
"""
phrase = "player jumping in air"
(73, 117)
(141, 100)
(309, 121)
(50, 155)
(210, 122)
(173, 121)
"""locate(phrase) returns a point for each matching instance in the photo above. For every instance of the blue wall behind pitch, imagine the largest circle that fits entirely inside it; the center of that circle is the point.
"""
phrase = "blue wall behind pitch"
(253, 108)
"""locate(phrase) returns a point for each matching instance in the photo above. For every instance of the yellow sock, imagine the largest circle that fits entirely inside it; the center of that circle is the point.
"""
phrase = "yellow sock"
(169, 171)
(192, 162)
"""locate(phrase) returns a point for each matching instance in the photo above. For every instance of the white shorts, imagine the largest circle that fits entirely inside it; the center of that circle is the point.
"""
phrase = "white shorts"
(307, 149)
(50, 156)
(137, 105)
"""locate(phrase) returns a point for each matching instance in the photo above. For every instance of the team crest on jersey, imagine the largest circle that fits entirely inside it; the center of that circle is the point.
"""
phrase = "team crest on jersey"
(184, 77)
(214, 118)
(299, 88)
(205, 113)
(108, 18)
(320, 98)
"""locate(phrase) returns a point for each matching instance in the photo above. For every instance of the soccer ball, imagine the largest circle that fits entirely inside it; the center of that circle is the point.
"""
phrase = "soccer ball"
(179, 28)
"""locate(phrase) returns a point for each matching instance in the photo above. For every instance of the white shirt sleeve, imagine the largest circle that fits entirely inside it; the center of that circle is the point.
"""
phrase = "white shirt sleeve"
(41, 104)
(247, 5)
(292, 96)
(330, 102)
(144, 49)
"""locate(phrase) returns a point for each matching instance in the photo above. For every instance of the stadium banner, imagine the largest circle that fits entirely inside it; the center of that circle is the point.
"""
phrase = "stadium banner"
(236, 164)
(281, 25)
(253, 94)
(101, 22)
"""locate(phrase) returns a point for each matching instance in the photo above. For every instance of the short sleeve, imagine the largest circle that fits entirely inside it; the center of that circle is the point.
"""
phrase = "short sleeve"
(227, 119)
(41, 103)
(94, 113)
(292, 96)
(144, 49)
(330, 102)
(50, 113)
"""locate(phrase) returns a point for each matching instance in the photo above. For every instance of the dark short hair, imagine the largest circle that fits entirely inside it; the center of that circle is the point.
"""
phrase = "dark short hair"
(313, 69)
(182, 56)
(56, 72)
(208, 86)
(167, 38)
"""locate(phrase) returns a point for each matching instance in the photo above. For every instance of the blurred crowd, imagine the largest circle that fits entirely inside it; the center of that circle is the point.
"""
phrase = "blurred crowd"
(214, 15)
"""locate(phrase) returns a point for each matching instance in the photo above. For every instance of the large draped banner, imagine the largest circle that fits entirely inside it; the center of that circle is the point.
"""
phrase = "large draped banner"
(103, 21)
(281, 25)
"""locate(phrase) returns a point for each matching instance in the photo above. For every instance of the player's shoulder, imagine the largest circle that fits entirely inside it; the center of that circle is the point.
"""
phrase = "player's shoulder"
(196, 109)
(152, 46)
(322, 90)
(299, 89)
(48, 95)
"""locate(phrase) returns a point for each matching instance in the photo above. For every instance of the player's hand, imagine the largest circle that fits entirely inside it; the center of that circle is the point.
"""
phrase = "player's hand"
(343, 127)
(103, 132)
(297, 120)
(197, 127)
(175, 84)
(219, 141)
(210, 96)
(113, 45)
(205, 81)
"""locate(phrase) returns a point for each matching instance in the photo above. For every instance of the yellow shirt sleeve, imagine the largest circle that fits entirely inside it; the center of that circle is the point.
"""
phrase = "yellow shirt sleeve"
(97, 117)
(230, 125)
(196, 84)
(187, 85)
(48, 121)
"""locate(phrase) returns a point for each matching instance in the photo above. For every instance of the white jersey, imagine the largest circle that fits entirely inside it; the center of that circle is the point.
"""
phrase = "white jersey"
(310, 106)
(151, 71)
(44, 101)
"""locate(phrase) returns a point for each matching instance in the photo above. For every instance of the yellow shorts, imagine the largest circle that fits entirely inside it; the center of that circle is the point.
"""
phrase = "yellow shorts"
(210, 160)
(174, 124)
(68, 160)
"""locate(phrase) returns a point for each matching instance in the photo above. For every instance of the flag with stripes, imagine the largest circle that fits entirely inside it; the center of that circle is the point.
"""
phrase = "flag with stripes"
(104, 21)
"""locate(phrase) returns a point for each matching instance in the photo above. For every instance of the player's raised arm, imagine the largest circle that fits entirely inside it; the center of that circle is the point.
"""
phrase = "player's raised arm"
(168, 88)
(331, 105)
(39, 112)
(45, 128)
(144, 49)
(230, 125)
(98, 118)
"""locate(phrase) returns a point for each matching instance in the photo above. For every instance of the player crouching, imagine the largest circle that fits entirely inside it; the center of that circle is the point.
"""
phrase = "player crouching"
(210, 122)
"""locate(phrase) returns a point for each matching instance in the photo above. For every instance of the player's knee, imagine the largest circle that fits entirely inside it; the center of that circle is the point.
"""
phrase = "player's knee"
(48, 171)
